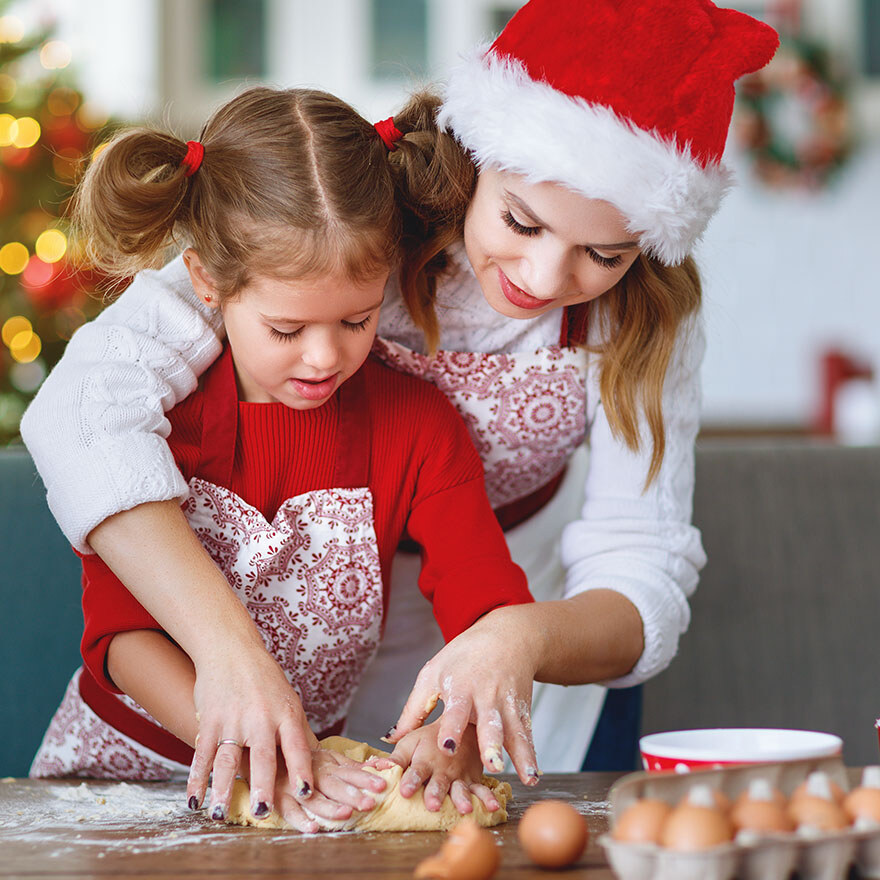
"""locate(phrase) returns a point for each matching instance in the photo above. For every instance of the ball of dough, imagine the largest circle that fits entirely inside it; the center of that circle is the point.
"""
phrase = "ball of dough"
(392, 812)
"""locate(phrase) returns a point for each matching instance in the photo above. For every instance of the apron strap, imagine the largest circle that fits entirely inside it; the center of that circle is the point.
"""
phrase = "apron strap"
(219, 421)
(574, 325)
(353, 434)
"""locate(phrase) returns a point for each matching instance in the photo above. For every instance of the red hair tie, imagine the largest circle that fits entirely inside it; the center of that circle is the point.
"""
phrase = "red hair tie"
(389, 133)
(195, 152)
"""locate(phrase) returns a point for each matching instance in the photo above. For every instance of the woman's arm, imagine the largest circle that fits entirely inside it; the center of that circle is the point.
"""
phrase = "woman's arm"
(633, 560)
(640, 543)
(96, 429)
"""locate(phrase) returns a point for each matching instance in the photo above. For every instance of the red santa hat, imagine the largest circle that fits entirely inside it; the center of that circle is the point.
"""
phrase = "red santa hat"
(623, 100)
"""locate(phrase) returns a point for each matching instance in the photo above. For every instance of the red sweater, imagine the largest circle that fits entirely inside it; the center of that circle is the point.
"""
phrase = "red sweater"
(425, 477)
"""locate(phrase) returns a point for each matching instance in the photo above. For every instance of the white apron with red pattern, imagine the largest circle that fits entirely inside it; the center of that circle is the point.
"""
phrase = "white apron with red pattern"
(526, 412)
(310, 579)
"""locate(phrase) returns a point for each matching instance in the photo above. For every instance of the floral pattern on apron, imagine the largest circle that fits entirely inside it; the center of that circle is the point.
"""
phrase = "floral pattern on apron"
(526, 412)
(311, 579)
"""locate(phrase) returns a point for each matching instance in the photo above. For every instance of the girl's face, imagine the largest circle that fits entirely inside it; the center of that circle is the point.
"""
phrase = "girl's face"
(539, 246)
(295, 342)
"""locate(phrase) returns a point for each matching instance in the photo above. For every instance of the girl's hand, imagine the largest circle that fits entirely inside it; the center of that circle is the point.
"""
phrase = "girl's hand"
(245, 697)
(458, 775)
(483, 676)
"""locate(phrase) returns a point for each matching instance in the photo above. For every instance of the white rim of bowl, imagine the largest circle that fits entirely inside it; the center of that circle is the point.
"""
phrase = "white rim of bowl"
(797, 744)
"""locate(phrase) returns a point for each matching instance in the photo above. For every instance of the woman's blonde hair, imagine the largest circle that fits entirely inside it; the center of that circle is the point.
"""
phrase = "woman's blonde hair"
(293, 182)
(640, 317)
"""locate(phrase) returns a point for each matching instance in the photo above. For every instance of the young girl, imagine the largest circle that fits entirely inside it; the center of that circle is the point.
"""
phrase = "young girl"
(575, 164)
(306, 461)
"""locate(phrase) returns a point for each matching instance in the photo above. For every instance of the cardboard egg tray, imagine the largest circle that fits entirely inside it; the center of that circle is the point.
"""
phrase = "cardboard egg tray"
(825, 857)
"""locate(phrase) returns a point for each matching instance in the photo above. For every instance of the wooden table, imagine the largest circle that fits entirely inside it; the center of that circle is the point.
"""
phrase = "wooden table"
(75, 829)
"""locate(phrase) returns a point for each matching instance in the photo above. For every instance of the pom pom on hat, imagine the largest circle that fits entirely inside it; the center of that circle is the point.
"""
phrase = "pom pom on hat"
(623, 100)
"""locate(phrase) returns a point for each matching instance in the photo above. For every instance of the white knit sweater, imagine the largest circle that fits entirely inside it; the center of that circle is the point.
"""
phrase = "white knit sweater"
(97, 429)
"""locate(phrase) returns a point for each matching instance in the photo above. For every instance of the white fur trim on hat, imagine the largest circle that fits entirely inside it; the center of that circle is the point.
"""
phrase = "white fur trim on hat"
(511, 121)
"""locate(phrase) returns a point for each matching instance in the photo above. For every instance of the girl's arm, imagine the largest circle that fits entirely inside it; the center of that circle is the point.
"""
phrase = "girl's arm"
(96, 431)
(160, 677)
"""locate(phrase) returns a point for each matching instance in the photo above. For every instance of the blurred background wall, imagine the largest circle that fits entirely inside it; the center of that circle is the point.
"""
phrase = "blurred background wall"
(791, 289)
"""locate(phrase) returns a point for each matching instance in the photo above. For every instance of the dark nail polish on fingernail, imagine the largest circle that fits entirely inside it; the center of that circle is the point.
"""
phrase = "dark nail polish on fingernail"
(391, 732)
(219, 813)
(304, 790)
(449, 745)
(193, 803)
(261, 809)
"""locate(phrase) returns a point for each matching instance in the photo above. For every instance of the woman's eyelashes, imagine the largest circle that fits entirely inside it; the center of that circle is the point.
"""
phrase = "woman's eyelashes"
(518, 228)
(529, 231)
(354, 326)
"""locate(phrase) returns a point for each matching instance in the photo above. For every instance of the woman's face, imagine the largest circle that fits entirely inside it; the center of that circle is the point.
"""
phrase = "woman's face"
(539, 246)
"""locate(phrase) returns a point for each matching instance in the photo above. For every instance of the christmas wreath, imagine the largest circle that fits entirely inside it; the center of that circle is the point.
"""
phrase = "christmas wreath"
(793, 118)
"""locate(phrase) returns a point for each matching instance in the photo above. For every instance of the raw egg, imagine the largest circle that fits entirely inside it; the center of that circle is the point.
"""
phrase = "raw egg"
(761, 809)
(862, 804)
(642, 821)
(821, 784)
(696, 823)
(469, 853)
(815, 805)
(553, 834)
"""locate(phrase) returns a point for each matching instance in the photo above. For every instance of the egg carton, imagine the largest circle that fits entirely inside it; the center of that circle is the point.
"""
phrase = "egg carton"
(826, 856)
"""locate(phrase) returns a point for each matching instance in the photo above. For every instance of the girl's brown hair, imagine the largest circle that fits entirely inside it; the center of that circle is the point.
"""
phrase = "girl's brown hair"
(640, 317)
(293, 182)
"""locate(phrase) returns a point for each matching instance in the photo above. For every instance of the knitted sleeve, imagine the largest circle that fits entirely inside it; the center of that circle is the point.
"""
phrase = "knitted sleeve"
(97, 428)
(466, 566)
(641, 542)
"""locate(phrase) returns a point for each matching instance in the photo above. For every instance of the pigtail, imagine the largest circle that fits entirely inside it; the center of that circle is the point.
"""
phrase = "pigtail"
(435, 178)
(132, 197)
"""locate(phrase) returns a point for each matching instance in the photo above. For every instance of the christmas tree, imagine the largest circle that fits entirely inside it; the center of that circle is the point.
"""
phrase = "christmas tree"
(47, 132)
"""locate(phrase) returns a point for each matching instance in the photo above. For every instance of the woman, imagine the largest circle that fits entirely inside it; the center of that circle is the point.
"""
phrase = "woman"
(563, 310)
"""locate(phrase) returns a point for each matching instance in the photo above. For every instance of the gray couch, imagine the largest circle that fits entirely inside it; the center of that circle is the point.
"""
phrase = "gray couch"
(784, 620)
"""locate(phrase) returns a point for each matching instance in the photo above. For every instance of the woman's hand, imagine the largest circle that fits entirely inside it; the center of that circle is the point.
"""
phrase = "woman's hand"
(483, 676)
(245, 699)
(458, 775)
(340, 786)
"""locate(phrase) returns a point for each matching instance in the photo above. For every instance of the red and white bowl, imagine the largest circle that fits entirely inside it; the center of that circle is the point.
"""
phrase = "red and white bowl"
(686, 750)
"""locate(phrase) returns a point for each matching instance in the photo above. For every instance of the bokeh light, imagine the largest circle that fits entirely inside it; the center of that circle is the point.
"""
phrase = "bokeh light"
(25, 346)
(55, 55)
(13, 258)
(11, 29)
(7, 124)
(90, 116)
(28, 377)
(37, 273)
(51, 245)
(13, 326)
(62, 102)
(25, 132)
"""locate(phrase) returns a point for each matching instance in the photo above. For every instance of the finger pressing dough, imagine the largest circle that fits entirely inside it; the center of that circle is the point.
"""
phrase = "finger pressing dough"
(392, 812)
